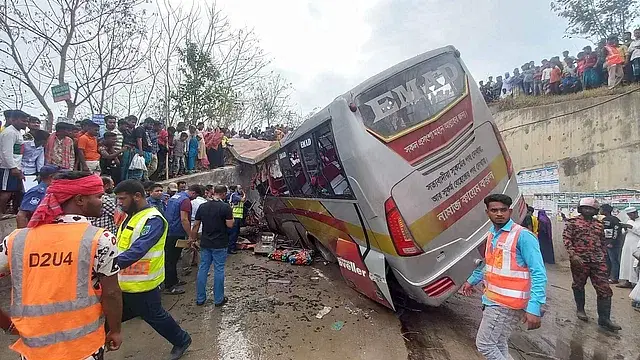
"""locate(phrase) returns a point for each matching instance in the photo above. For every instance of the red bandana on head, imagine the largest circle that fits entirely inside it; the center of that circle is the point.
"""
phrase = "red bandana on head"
(61, 191)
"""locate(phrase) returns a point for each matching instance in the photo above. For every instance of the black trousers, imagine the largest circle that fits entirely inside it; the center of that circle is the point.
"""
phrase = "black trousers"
(171, 257)
(148, 306)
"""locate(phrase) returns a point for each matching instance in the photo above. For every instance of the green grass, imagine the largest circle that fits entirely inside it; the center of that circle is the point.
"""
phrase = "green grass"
(531, 101)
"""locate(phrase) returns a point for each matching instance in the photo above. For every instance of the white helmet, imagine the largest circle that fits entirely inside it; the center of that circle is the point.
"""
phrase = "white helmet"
(590, 202)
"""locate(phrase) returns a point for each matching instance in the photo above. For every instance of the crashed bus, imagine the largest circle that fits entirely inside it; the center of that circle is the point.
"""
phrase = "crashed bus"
(388, 180)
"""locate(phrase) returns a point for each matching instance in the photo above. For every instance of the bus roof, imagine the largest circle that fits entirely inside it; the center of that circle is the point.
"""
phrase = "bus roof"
(322, 115)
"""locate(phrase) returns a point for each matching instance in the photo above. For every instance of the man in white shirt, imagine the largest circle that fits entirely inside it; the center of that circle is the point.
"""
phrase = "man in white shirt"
(628, 276)
(11, 141)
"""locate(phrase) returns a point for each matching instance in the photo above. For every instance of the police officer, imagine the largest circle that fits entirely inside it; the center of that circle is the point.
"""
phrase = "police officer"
(141, 242)
(584, 240)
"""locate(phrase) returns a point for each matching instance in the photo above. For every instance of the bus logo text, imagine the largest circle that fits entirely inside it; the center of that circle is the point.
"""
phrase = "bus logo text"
(385, 104)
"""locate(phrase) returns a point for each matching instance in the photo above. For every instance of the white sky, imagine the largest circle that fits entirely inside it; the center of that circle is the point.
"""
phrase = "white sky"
(327, 47)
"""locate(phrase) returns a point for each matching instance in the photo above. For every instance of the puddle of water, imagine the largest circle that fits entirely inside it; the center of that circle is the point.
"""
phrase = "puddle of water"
(232, 342)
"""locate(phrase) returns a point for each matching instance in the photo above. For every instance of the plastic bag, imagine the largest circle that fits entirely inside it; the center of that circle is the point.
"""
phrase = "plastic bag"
(137, 163)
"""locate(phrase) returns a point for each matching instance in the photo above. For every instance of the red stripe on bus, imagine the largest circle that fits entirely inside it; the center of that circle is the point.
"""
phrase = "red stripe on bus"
(422, 142)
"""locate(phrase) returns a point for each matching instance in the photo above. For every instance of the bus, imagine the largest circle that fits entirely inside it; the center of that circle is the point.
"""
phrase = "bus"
(388, 181)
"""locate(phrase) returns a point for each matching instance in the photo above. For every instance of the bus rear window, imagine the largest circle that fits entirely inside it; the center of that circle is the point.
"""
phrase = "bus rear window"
(413, 96)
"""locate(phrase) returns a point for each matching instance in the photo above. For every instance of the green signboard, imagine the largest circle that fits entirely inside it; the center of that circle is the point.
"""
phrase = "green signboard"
(61, 92)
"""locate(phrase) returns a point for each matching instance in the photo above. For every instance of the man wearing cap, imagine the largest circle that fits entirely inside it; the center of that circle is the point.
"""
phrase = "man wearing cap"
(584, 240)
(88, 146)
(11, 175)
(34, 196)
(628, 276)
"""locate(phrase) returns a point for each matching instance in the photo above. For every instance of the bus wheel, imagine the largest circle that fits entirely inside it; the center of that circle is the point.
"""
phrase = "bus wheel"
(326, 253)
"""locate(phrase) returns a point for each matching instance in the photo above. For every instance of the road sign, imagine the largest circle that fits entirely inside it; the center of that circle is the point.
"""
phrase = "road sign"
(61, 92)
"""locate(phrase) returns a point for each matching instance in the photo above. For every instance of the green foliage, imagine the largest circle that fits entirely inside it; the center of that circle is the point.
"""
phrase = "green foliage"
(201, 95)
(596, 19)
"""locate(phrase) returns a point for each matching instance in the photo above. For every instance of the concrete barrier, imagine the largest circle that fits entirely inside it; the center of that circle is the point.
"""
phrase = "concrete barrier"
(227, 175)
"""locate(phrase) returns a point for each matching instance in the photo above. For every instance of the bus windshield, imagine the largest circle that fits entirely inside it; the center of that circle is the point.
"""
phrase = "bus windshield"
(412, 97)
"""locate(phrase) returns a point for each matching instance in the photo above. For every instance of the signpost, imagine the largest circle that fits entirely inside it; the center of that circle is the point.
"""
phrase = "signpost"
(99, 119)
(61, 92)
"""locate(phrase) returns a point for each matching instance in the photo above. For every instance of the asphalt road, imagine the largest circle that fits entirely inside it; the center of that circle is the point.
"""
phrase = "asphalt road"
(266, 320)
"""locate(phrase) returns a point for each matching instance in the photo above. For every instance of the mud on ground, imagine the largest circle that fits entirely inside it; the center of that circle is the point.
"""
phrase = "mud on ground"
(266, 320)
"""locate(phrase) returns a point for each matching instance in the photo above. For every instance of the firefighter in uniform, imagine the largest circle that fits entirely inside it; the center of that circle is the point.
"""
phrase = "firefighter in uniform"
(584, 240)
(141, 241)
(64, 276)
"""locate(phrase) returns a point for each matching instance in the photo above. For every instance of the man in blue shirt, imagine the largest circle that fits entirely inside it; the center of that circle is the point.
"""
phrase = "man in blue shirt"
(514, 290)
(146, 304)
(34, 196)
(157, 197)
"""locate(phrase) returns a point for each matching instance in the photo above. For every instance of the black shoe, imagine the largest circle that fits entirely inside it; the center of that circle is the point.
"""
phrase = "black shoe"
(178, 351)
(232, 252)
(182, 282)
(224, 301)
(604, 315)
(174, 291)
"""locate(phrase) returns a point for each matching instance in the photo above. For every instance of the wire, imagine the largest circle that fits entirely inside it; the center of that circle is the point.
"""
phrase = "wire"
(572, 112)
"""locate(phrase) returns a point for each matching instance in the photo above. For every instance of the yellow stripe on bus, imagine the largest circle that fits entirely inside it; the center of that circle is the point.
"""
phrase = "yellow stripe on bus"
(428, 227)
(328, 232)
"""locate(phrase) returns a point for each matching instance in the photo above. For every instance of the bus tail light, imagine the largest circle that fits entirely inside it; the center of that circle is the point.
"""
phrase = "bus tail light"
(503, 148)
(402, 239)
(439, 287)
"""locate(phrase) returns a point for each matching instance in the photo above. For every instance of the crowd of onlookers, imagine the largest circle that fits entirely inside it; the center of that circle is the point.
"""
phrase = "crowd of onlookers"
(612, 63)
(121, 149)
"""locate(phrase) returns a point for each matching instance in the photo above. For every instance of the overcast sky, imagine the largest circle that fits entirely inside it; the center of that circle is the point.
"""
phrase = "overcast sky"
(326, 47)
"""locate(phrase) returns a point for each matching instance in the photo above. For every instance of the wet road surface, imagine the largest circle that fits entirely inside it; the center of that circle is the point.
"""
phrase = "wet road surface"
(266, 320)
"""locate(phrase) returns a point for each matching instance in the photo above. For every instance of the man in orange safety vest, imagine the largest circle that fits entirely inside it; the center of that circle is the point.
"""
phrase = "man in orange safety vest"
(64, 276)
(514, 280)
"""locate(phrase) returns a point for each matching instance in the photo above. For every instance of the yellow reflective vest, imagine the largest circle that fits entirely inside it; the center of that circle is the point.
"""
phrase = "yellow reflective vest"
(147, 273)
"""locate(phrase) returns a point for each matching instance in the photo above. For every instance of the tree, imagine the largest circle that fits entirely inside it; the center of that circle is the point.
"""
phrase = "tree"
(201, 96)
(596, 19)
(89, 44)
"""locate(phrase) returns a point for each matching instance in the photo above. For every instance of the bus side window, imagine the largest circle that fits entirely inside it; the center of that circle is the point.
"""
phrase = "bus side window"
(277, 184)
(331, 177)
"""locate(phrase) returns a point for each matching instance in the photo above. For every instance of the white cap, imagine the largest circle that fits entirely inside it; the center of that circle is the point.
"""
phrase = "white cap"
(630, 210)
(590, 202)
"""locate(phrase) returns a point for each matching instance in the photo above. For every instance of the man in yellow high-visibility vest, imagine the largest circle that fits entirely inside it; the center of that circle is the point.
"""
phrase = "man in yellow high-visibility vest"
(141, 240)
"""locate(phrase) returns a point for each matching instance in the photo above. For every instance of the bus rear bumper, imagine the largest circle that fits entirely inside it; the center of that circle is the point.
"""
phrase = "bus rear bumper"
(435, 290)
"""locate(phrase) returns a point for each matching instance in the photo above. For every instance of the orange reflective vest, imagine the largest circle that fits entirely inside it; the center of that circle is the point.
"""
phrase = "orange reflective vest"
(506, 283)
(54, 306)
(614, 57)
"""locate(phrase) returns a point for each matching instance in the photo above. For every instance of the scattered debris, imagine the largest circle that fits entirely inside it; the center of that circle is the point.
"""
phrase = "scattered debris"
(320, 274)
(277, 281)
(323, 312)
(266, 244)
(314, 279)
(295, 257)
(354, 310)
(338, 325)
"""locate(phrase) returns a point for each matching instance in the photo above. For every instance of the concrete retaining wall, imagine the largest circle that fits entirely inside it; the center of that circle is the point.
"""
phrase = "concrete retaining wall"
(596, 142)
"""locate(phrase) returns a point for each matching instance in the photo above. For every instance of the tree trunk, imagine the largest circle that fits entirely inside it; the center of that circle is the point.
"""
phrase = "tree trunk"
(71, 109)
